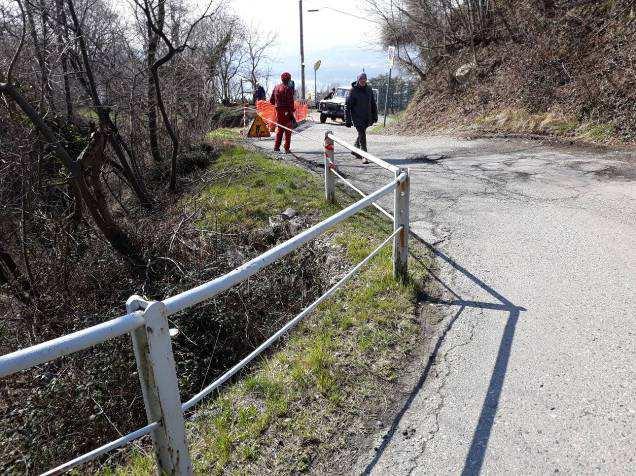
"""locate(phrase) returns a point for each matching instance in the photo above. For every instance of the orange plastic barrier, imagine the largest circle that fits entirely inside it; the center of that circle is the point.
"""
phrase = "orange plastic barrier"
(302, 109)
(268, 111)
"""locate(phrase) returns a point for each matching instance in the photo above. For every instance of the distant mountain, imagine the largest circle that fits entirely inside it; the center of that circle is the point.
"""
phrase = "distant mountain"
(339, 66)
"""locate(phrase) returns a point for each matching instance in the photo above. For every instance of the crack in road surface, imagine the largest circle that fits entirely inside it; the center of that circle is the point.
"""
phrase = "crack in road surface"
(532, 371)
(440, 393)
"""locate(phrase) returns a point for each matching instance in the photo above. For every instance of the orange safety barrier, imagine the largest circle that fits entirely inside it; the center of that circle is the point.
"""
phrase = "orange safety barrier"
(267, 111)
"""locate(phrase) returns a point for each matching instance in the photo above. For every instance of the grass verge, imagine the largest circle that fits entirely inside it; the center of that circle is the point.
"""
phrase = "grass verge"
(522, 122)
(303, 406)
(391, 118)
(225, 133)
(249, 187)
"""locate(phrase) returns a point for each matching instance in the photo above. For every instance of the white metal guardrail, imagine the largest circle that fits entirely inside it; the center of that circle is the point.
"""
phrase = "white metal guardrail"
(147, 323)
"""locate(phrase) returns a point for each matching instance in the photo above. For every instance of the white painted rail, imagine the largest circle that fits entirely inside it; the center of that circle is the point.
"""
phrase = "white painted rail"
(46, 351)
(371, 158)
(208, 290)
(147, 324)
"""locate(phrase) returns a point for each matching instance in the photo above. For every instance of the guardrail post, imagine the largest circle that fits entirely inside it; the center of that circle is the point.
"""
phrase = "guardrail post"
(330, 179)
(401, 219)
(160, 387)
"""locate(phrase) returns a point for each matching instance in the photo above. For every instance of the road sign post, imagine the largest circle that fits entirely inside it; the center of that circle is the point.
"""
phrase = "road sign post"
(316, 67)
(388, 84)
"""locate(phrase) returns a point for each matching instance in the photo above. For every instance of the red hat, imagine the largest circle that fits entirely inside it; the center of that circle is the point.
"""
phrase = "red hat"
(285, 77)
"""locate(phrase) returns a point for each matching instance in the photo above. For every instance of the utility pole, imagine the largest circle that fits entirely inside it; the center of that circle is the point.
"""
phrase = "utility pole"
(386, 98)
(302, 50)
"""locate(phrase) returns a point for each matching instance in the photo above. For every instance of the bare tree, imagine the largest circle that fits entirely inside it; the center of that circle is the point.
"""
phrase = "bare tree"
(151, 57)
(172, 49)
(40, 47)
(425, 32)
(233, 58)
(61, 49)
(257, 44)
(83, 172)
(103, 112)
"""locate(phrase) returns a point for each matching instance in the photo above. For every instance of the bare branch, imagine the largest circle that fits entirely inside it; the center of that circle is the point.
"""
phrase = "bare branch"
(16, 55)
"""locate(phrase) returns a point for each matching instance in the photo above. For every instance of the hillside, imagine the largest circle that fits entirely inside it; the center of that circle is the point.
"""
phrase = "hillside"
(559, 68)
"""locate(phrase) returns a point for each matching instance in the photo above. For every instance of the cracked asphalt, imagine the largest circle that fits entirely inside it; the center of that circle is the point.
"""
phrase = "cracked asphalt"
(532, 369)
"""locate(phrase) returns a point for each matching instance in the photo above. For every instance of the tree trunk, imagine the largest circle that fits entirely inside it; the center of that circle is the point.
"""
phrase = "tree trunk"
(47, 92)
(89, 161)
(168, 125)
(103, 113)
(153, 41)
(61, 21)
(10, 275)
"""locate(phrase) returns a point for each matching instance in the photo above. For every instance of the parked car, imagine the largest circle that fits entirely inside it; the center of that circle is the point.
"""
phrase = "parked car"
(334, 108)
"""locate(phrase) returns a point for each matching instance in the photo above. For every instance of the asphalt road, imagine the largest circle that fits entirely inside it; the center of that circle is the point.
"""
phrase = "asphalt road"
(532, 370)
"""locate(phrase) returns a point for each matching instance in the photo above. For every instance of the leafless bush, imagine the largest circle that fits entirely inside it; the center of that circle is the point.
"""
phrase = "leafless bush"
(83, 187)
(572, 56)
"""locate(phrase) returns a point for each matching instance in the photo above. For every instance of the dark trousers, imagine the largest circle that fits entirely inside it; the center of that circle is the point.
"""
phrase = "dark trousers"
(361, 141)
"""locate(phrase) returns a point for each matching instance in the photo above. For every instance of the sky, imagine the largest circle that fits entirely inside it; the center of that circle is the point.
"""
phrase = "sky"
(345, 43)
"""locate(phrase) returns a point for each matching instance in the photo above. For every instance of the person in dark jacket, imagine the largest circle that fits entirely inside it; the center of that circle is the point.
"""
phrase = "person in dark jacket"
(283, 99)
(259, 93)
(361, 110)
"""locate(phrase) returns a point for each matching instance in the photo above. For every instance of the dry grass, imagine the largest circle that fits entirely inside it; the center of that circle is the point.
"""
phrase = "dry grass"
(571, 76)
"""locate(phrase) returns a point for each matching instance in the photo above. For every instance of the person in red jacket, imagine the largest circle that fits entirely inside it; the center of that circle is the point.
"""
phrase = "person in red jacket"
(283, 99)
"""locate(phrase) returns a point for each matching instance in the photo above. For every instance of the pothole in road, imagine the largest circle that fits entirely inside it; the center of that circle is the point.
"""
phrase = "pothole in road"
(613, 172)
(602, 171)
(426, 159)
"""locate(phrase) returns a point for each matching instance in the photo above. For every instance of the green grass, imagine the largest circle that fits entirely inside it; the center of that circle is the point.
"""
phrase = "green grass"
(391, 118)
(297, 403)
(595, 132)
(298, 394)
(247, 188)
(225, 133)
(520, 121)
(138, 463)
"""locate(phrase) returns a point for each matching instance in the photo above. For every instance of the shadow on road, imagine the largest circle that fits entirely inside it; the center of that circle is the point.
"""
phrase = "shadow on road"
(476, 453)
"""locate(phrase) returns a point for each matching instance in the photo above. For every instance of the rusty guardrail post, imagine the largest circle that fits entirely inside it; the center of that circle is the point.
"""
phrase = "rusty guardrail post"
(160, 387)
(330, 179)
(401, 219)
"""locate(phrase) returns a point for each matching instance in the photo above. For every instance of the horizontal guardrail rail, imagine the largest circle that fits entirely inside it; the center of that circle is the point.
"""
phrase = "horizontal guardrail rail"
(97, 452)
(147, 324)
(361, 193)
(371, 158)
(287, 327)
(208, 290)
(46, 351)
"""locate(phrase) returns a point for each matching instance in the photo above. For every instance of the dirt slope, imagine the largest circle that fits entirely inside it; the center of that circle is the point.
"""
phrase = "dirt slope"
(572, 74)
